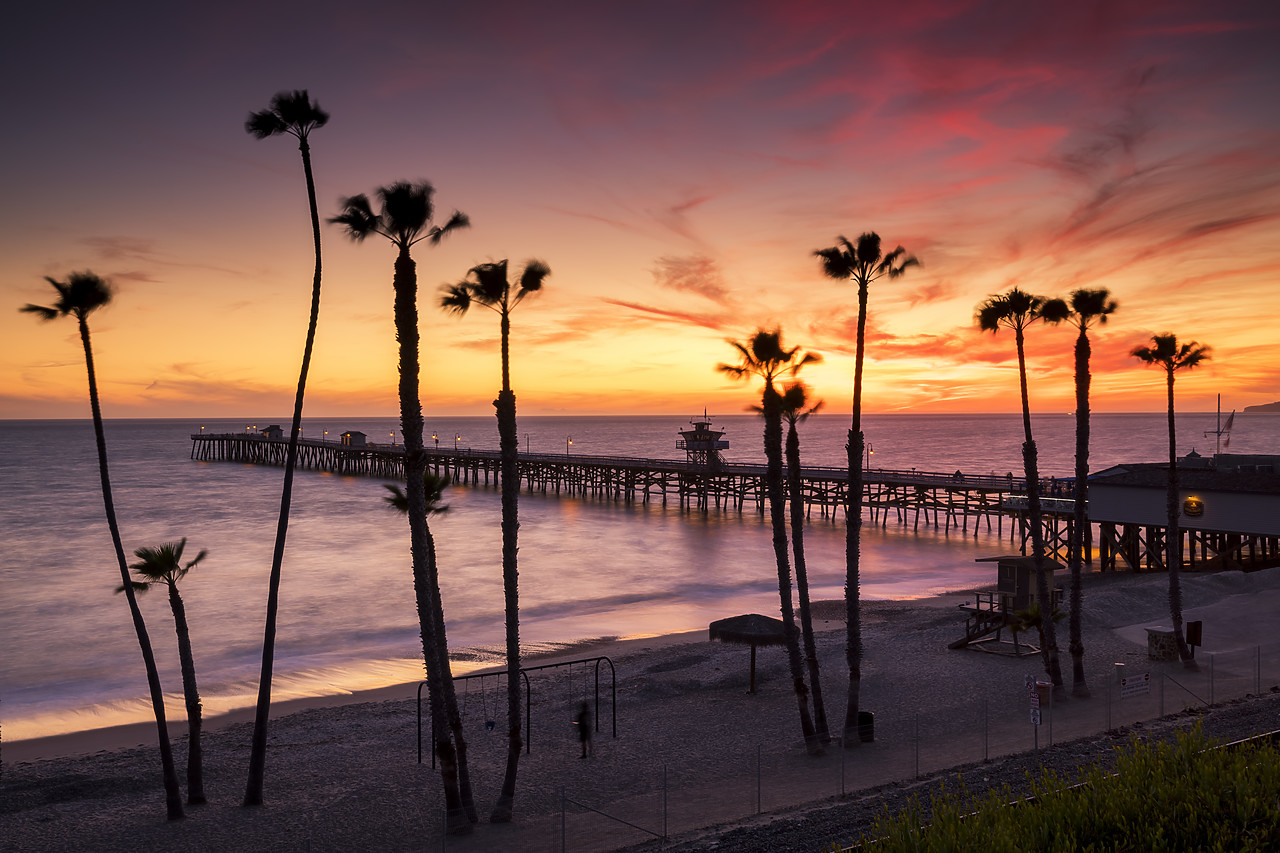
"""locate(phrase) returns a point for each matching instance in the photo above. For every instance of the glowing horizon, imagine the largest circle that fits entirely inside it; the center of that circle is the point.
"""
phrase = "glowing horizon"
(676, 171)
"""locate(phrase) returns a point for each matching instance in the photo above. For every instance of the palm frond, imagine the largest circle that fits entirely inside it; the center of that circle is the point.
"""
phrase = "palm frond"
(456, 221)
(456, 298)
(42, 311)
(357, 217)
(531, 278)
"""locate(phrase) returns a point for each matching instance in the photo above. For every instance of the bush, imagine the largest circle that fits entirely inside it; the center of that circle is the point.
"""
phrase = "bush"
(1168, 796)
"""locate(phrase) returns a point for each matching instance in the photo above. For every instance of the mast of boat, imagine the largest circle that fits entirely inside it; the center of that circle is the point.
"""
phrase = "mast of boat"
(1222, 430)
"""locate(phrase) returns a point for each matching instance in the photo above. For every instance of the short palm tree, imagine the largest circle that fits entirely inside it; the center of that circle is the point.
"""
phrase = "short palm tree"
(163, 564)
(1165, 352)
(405, 218)
(487, 285)
(763, 355)
(79, 296)
(861, 264)
(1017, 310)
(1086, 307)
(796, 409)
(294, 114)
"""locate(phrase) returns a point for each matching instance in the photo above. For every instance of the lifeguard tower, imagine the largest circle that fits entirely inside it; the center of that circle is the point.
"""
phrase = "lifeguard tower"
(992, 611)
(702, 444)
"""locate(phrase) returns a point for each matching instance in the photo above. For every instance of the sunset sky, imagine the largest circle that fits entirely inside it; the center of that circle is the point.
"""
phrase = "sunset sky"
(675, 163)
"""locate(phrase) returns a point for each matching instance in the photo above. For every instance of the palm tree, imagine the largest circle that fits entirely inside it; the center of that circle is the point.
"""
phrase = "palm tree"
(405, 218)
(796, 409)
(487, 285)
(1165, 351)
(163, 564)
(1088, 306)
(763, 355)
(433, 487)
(1017, 310)
(861, 264)
(295, 114)
(79, 296)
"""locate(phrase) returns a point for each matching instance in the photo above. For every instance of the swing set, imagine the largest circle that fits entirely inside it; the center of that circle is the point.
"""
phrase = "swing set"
(489, 713)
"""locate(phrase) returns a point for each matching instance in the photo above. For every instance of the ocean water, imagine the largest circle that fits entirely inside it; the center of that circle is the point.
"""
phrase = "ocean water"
(588, 568)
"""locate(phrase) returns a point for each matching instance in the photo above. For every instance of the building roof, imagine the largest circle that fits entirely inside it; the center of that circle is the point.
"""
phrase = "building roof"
(1155, 475)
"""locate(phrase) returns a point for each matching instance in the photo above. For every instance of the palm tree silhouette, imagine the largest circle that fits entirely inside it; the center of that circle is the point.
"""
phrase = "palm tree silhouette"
(405, 218)
(163, 564)
(79, 296)
(487, 285)
(861, 264)
(1087, 307)
(796, 408)
(1164, 351)
(763, 355)
(295, 114)
(1017, 310)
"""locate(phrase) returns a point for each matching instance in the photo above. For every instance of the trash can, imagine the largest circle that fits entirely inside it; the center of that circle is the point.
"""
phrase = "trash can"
(866, 726)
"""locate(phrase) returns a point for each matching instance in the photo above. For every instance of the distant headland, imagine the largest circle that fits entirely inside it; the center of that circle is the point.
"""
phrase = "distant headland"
(1265, 407)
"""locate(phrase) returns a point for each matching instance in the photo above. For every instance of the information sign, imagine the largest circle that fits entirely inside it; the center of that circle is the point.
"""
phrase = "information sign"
(1135, 685)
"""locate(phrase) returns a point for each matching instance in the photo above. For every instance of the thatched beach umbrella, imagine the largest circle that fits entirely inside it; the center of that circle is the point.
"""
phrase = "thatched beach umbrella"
(751, 629)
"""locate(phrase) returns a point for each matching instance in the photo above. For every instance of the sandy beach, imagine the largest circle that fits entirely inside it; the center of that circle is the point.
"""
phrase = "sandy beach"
(343, 772)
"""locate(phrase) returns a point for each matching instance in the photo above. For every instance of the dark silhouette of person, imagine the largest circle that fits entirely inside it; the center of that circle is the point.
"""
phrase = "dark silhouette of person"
(583, 722)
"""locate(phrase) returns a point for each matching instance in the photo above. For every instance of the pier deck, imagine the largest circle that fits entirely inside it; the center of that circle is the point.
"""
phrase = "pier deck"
(965, 502)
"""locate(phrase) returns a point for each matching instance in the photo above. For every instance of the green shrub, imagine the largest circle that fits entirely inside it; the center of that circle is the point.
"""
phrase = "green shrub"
(1168, 796)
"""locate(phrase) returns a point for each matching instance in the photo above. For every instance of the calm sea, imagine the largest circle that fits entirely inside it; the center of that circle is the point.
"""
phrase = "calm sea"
(69, 660)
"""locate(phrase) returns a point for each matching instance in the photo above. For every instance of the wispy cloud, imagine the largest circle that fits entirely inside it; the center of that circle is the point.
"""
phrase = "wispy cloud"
(696, 274)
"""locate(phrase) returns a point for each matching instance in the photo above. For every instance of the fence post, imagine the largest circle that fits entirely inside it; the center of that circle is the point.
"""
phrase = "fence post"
(842, 751)
(917, 746)
(758, 779)
(1211, 679)
(986, 731)
(664, 802)
(562, 823)
(1257, 677)
(1162, 677)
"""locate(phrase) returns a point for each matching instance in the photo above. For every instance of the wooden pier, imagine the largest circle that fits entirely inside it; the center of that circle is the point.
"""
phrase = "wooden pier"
(964, 502)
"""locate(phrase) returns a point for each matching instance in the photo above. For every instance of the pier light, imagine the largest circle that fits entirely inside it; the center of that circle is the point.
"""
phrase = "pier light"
(436, 439)
(393, 438)
(456, 438)
(326, 435)
(870, 451)
(568, 442)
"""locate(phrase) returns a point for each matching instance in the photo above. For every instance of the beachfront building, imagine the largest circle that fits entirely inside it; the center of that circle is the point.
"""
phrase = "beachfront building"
(353, 438)
(1230, 512)
(274, 432)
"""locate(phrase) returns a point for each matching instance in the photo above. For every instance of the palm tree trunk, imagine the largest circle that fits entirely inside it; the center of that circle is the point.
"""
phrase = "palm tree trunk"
(253, 795)
(1076, 641)
(778, 518)
(1035, 515)
(853, 536)
(1173, 538)
(173, 796)
(191, 693)
(406, 318)
(450, 693)
(795, 496)
(510, 445)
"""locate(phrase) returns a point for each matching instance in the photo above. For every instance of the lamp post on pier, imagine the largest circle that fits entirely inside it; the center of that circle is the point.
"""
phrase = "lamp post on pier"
(568, 442)
(870, 450)
(456, 438)
(436, 439)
